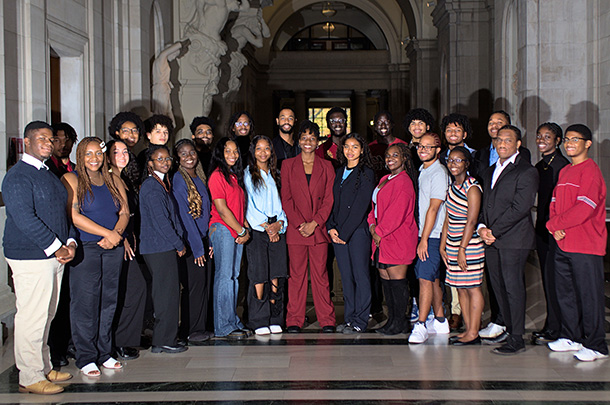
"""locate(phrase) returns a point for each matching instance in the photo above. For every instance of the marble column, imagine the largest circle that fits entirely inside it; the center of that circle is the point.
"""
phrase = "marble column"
(424, 74)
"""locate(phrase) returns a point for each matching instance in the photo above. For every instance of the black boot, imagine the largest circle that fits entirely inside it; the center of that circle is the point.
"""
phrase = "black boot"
(387, 291)
(400, 293)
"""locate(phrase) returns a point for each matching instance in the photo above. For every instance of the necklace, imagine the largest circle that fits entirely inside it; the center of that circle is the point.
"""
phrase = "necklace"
(550, 161)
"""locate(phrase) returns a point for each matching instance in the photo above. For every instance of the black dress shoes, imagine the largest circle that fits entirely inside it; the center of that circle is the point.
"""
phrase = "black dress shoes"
(328, 329)
(198, 338)
(169, 349)
(501, 338)
(453, 339)
(543, 337)
(475, 341)
(509, 349)
(293, 329)
(127, 353)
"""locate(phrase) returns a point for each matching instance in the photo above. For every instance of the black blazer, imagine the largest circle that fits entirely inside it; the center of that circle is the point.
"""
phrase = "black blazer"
(481, 161)
(352, 201)
(58, 171)
(507, 208)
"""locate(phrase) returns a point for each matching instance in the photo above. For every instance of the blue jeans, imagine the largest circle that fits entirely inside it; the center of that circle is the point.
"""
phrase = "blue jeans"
(227, 261)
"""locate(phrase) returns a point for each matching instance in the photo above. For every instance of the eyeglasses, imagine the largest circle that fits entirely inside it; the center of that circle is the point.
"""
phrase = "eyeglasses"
(337, 120)
(426, 147)
(242, 124)
(127, 131)
(456, 160)
(161, 160)
(508, 141)
(574, 140)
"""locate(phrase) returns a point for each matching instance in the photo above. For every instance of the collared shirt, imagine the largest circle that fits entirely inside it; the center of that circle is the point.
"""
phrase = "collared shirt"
(59, 164)
(263, 202)
(434, 183)
(160, 175)
(500, 168)
(39, 164)
(493, 155)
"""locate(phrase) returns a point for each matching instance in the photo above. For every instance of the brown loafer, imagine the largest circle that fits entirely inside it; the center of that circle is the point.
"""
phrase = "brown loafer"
(43, 387)
(58, 376)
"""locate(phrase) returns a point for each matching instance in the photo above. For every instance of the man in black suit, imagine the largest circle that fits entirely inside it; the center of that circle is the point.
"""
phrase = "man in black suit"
(506, 227)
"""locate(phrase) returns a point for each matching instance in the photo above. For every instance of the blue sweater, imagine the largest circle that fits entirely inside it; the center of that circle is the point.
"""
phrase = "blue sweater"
(195, 229)
(35, 212)
(160, 229)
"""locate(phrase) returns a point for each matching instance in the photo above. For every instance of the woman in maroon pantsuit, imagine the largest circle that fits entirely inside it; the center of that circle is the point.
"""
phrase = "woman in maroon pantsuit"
(307, 198)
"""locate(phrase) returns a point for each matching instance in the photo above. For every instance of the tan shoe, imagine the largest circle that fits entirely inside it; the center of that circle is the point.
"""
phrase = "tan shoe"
(43, 387)
(58, 376)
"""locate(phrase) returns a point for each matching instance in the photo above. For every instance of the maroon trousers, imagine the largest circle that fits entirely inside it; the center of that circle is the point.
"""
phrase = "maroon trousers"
(297, 285)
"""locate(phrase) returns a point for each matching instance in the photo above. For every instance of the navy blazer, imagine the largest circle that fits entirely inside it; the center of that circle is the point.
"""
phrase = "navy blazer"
(352, 201)
(507, 208)
(481, 161)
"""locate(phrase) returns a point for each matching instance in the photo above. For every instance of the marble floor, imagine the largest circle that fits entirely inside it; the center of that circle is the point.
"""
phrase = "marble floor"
(320, 368)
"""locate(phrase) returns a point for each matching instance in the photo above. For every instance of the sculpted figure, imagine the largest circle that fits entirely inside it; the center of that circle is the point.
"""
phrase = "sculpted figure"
(162, 86)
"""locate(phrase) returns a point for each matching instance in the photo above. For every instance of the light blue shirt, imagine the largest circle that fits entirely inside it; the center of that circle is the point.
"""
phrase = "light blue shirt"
(493, 155)
(263, 202)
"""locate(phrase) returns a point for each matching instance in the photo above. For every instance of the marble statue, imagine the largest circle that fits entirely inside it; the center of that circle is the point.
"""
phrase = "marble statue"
(209, 17)
(161, 84)
(250, 27)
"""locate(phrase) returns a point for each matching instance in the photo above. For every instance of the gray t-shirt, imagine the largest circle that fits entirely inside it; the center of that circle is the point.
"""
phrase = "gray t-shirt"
(433, 183)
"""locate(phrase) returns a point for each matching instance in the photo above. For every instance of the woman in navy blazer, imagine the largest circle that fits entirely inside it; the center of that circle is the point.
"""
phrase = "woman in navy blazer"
(348, 230)
(307, 198)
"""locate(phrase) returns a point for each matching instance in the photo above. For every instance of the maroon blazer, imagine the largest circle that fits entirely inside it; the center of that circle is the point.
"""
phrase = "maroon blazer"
(304, 202)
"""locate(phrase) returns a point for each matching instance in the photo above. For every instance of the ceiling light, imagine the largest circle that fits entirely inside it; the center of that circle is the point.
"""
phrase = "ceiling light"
(328, 10)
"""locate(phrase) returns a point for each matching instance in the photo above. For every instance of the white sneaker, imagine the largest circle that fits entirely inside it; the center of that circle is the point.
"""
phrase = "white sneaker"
(492, 330)
(419, 333)
(275, 329)
(585, 354)
(435, 326)
(564, 345)
(263, 331)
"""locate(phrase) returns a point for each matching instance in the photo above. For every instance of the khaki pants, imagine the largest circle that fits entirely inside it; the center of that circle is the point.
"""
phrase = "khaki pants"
(37, 284)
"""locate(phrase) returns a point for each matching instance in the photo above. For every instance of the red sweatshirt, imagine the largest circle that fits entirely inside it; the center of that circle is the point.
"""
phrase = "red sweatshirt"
(578, 207)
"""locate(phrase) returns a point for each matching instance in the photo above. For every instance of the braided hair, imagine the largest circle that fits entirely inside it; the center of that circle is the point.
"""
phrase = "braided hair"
(84, 181)
(194, 198)
(148, 171)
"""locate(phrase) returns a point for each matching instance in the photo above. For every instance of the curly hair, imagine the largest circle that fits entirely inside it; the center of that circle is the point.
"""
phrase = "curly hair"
(335, 110)
(419, 114)
(68, 130)
(365, 159)
(148, 171)
(194, 198)
(457, 119)
(310, 126)
(159, 119)
(234, 118)
(201, 121)
(84, 181)
(121, 118)
(257, 180)
(218, 162)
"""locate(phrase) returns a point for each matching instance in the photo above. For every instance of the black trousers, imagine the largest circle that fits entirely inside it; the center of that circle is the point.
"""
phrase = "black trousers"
(507, 274)
(353, 261)
(266, 261)
(195, 298)
(94, 285)
(580, 292)
(546, 248)
(163, 267)
(129, 318)
(60, 332)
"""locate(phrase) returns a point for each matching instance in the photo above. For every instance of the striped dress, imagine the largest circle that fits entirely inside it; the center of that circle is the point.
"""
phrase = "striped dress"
(457, 214)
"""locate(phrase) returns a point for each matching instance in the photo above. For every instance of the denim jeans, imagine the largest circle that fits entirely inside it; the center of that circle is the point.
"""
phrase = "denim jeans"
(227, 261)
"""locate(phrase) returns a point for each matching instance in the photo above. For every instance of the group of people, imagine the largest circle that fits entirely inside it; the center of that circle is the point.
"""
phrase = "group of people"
(403, 219)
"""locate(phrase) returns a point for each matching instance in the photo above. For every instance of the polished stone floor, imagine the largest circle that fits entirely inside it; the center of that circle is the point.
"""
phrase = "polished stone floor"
(320, 368)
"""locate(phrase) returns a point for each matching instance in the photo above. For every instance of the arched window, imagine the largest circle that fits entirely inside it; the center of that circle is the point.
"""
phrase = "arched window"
(329, 36)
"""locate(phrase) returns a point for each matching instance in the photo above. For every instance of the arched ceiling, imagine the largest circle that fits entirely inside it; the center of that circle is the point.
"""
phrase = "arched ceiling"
(349, 16)
(384, 22)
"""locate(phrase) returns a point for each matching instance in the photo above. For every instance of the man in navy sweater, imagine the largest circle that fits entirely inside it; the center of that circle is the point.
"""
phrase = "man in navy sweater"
(37, 245)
